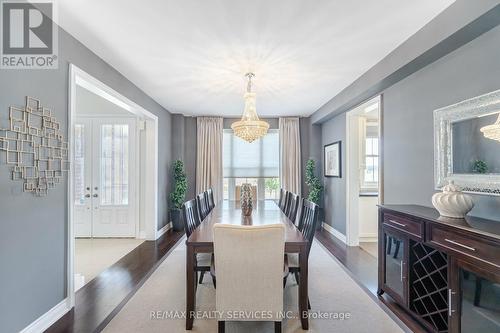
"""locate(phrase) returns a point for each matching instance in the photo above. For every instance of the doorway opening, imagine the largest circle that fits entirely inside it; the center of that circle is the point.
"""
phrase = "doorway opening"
(113, 191)
(363, 174)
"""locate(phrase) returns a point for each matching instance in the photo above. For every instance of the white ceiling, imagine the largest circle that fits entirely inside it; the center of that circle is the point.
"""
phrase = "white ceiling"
(191, 55)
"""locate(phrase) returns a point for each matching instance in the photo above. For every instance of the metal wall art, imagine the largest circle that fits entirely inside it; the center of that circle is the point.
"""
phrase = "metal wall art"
(35, 148)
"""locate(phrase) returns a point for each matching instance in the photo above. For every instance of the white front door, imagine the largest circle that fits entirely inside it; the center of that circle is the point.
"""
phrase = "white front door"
(82, 178)
(105, 178)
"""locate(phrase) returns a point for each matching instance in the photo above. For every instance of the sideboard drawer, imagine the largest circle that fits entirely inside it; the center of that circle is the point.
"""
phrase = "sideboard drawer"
(467, 245)
(405, 224)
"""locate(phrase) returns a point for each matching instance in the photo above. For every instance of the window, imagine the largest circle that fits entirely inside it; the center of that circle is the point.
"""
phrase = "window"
(114, 164)
(79, 164)
(256, 163)
(369, 172)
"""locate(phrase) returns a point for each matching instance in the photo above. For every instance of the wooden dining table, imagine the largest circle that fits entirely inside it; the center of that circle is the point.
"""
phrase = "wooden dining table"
(229, 212)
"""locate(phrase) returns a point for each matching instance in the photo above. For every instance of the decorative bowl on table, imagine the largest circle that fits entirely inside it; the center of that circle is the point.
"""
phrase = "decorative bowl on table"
(452, 202)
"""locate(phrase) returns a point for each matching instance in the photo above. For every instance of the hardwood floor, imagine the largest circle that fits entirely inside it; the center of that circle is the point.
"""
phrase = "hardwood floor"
(102, 298)
(363, 269)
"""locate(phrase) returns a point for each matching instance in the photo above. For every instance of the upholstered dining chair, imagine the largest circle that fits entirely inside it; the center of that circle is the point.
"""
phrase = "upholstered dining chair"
(293, 205)
(307, 225)
(191, 222)
(211, 201)
(249, 268)
(201, 202)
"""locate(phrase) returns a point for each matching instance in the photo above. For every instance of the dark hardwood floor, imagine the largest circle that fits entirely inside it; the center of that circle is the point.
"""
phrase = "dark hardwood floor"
(102, 298)
(363, 269)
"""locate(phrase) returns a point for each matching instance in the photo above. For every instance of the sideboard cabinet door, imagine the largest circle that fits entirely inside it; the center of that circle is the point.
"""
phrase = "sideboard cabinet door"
(475, 296)
(395, 272)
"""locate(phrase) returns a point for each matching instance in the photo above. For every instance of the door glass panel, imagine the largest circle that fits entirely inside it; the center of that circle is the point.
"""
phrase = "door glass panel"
(114, 178)
(480, 303)
(394, 254)
(79, 165)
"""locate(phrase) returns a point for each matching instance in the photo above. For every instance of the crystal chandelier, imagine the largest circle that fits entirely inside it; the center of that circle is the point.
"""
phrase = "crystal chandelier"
(492, 131)
(250, 128)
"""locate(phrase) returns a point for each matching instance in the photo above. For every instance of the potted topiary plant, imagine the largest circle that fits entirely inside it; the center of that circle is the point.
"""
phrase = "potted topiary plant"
(178, 194)
(314, 184)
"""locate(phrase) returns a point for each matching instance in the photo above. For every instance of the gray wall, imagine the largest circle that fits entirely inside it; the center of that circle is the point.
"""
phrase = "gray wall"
(471, 70)
(184, 148)
(335, 188)
(408, 145)
(33, 231)
(310, 144)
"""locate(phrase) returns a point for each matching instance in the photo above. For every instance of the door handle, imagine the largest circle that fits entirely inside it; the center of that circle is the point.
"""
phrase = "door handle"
(95, 195)
(401, 272)
(87, 195)
(450, 306)
(397, 223)
(459, 244)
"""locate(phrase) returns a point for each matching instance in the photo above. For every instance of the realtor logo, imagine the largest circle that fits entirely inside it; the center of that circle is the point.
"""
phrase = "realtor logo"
(28, 35)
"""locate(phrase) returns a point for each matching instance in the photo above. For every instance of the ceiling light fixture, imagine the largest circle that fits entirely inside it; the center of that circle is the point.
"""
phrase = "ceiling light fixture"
(250, 127)
(492, 131)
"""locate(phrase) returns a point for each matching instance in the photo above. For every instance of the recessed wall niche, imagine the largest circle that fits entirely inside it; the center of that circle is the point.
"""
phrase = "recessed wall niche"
(34, 147)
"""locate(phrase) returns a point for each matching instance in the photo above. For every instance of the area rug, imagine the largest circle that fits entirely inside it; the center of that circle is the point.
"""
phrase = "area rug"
(338, 303)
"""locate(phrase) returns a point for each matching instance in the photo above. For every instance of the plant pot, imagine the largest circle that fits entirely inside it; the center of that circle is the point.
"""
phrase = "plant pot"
(175, 217)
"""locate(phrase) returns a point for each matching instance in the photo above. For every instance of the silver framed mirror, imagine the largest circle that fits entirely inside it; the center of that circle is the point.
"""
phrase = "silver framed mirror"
(463, 152)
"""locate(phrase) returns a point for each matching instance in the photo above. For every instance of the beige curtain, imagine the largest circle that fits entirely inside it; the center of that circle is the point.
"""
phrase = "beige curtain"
(209, 155)
(290, 166)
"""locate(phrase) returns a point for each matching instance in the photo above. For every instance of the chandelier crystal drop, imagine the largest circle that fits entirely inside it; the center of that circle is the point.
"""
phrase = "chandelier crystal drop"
(492, 131)
(250, 127)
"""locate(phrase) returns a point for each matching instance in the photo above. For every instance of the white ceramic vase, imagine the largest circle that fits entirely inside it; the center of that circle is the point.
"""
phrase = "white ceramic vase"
(452, 202)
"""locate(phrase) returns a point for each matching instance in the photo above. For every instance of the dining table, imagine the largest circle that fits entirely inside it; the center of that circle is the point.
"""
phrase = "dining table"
(229, 212)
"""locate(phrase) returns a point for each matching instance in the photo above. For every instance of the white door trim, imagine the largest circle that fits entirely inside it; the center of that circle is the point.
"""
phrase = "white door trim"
(78, 77)
(352, 235)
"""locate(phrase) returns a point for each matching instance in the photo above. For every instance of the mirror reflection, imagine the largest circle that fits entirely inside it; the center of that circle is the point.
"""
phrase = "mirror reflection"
(473, 153)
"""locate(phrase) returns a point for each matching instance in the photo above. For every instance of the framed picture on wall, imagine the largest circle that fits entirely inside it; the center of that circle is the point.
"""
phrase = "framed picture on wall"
(332, 160)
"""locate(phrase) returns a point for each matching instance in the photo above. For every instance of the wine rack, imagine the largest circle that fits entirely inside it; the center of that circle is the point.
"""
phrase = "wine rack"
(429, 285)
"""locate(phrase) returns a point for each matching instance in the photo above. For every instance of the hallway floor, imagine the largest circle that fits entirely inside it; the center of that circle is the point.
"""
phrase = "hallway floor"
(92, 256)
(370, 247)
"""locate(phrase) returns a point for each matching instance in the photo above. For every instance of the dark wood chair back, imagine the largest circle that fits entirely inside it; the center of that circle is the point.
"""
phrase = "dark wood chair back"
(281, 203)
(293, 206)
(309, 215)
(211, 202)
(201, 202)
(190, 216)
(286, 203)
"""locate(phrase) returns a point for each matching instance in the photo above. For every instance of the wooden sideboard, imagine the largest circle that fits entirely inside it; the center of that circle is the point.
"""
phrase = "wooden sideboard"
(445, 272)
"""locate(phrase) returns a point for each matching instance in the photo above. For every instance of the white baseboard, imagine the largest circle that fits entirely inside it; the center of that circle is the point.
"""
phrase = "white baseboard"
(335, 232)
(368, 237)
(49, 318)
(163, 230)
